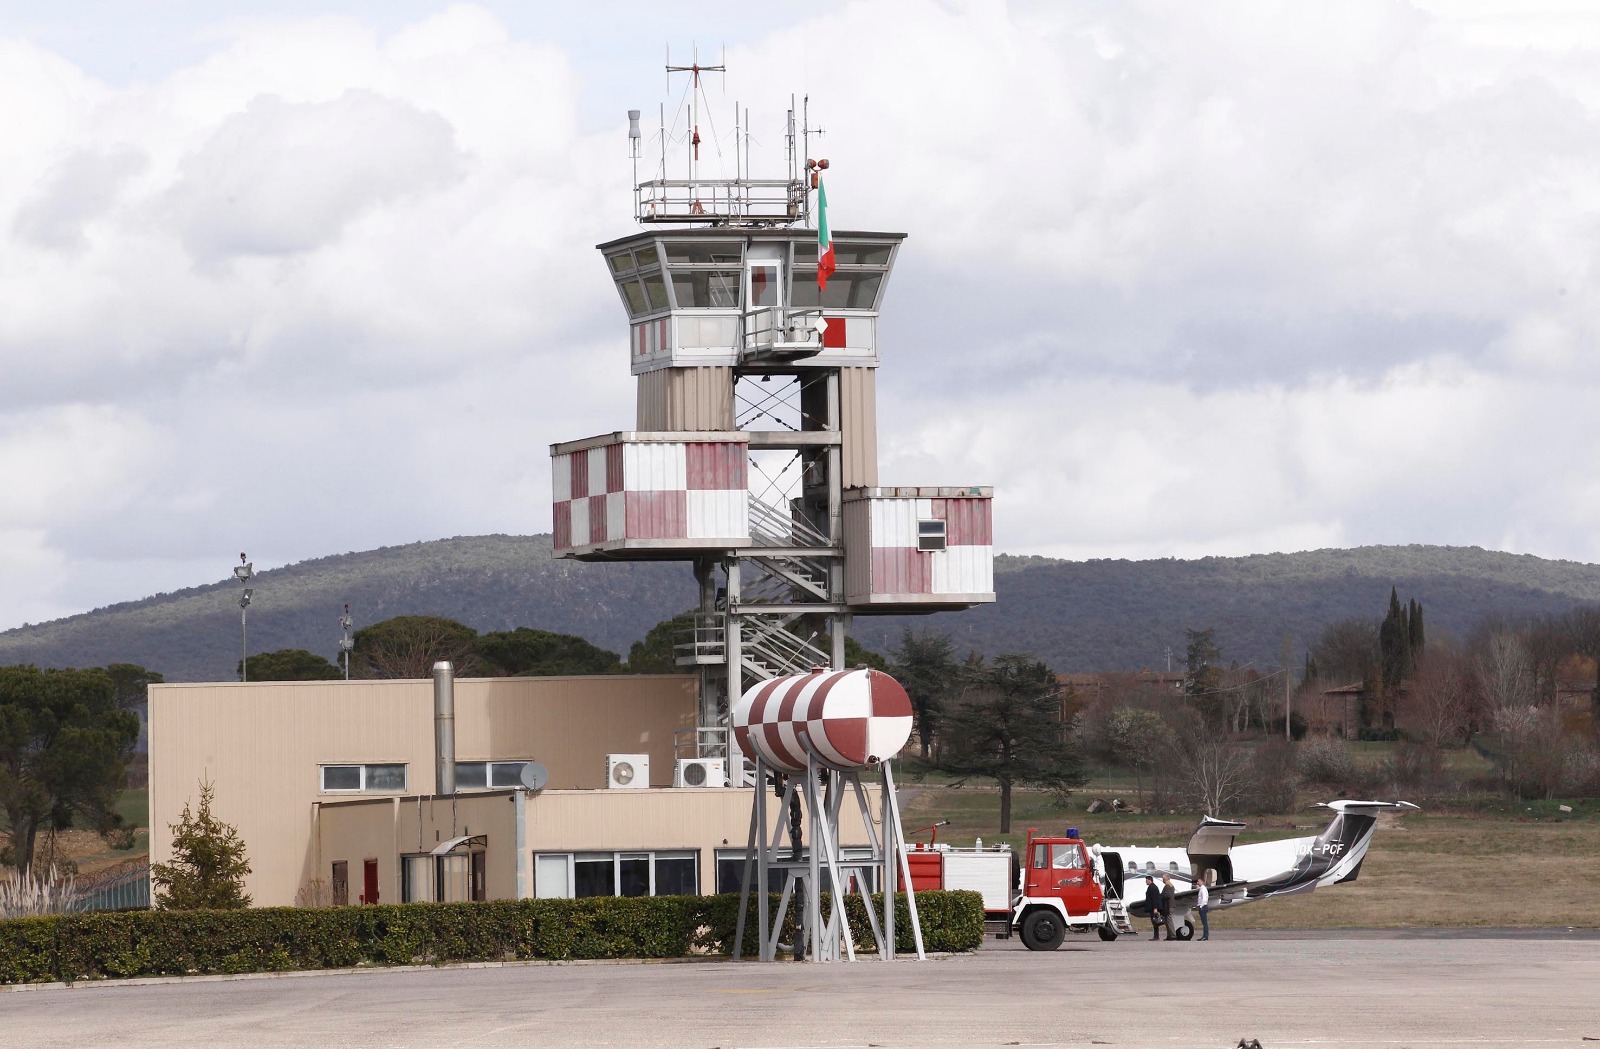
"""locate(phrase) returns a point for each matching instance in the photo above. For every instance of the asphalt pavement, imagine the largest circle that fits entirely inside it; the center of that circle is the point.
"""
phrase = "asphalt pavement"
(1429, 988)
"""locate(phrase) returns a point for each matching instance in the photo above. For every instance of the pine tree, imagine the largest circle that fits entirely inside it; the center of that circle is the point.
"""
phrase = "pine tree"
(208, 863)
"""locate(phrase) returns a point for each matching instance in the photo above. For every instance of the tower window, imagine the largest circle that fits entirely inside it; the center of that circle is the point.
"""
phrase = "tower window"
(930, 535)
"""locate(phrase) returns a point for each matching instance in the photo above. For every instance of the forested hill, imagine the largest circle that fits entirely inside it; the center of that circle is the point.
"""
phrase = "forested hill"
(1077, 615)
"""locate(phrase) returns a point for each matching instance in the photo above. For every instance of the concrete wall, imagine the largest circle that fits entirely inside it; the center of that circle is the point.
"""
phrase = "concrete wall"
(262, 744)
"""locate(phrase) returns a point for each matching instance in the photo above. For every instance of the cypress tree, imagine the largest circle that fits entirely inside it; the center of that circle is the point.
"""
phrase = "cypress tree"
(1418, 637)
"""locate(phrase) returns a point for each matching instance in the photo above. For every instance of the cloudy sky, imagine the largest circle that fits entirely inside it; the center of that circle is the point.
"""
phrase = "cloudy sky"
(308, 277)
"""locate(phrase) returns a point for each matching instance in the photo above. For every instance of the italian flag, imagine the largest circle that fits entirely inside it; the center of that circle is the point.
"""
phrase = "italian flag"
(825, 263)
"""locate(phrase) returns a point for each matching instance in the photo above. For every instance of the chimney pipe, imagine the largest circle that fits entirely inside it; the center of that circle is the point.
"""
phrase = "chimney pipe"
(444, 726)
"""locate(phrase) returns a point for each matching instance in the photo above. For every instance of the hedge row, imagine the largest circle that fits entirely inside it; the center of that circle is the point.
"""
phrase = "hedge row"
(169, 943)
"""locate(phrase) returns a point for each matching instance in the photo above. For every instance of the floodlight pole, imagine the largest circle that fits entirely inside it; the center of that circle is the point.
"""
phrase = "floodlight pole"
(242, 572)
(345, 642)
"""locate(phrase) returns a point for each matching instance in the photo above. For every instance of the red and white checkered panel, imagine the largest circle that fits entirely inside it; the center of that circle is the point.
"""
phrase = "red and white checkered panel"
(850, 719)
(964, 566)
(649, 491)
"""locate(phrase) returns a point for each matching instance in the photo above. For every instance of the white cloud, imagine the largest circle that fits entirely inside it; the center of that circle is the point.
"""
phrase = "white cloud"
(1181, 278)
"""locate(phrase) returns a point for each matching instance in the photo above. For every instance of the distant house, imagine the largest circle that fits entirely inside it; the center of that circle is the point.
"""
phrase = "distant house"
(1081, 690)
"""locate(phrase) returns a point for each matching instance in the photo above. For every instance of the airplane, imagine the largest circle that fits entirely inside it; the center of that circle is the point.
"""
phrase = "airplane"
(1236, 875)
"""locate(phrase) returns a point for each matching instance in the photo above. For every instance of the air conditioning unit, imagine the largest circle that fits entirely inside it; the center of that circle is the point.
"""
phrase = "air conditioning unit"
(700, 772)
(627, 771)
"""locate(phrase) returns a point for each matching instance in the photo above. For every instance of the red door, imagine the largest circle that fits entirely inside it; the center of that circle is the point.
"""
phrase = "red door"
(369, 872)
(1061, 869)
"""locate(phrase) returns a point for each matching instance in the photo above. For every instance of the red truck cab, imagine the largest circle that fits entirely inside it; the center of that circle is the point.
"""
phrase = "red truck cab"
(1060, 889)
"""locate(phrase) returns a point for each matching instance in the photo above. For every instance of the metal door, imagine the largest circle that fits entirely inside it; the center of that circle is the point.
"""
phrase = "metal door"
(341, 883)
(369, 875)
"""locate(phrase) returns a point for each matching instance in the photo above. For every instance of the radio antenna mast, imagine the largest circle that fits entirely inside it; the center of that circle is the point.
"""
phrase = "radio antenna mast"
(694, 69)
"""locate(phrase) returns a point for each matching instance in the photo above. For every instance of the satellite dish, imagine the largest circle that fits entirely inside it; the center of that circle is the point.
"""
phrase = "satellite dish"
(533, 775)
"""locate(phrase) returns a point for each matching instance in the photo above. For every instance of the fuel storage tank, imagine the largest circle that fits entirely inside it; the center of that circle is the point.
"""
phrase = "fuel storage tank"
(852, 719)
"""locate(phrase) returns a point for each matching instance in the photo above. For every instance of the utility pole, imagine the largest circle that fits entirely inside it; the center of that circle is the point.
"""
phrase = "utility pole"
(1288, 684)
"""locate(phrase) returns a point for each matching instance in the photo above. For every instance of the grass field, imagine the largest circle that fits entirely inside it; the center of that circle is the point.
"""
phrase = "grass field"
(1534, 868)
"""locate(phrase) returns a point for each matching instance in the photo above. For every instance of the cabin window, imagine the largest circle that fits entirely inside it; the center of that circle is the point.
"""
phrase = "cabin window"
(706, 289)
(693, 253)
(930, 535)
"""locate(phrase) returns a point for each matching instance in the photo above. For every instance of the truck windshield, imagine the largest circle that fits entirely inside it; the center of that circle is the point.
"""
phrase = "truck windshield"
(1066, 857)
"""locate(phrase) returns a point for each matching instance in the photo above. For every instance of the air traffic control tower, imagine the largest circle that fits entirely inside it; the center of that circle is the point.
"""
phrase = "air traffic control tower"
(754, 454)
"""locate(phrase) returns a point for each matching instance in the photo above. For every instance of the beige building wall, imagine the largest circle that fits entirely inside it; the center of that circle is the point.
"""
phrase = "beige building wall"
(385, 829)
(262, 744)
(556, 821)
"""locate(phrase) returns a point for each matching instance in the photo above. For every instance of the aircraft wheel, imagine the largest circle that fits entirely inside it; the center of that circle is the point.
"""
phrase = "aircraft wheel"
(1107, 933)
(1043, 930)
(1185, 931)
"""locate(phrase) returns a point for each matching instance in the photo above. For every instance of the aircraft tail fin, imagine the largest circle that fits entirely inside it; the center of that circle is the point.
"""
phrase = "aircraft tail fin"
(1341, 848)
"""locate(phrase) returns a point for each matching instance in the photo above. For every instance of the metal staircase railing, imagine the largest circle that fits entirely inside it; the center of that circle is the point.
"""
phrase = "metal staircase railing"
(774, 526)
(768, 648)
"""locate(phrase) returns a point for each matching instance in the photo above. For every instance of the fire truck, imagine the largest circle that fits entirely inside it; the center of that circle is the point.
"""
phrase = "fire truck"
(1058, 884)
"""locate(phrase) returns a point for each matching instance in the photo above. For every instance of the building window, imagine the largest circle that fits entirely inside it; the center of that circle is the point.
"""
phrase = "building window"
(358, 778)
(488, 775)
(930, 535)
(559, 875)
(730, 869)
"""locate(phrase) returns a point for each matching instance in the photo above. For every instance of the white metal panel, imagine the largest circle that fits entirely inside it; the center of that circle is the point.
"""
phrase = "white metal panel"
(963, 570)
(655, 467)
(561, 478)
(616, 516)
(924, 509)
(986, 873)
(580, 522)
(894, 522)
(718, 514)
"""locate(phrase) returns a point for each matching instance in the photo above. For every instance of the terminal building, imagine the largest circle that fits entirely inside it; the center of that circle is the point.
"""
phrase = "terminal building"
(334, 787)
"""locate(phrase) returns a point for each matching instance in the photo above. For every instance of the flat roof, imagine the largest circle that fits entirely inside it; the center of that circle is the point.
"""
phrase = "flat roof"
(745, 232)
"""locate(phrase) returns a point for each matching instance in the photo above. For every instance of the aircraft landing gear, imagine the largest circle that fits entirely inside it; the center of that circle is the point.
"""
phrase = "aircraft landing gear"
(1185, 931)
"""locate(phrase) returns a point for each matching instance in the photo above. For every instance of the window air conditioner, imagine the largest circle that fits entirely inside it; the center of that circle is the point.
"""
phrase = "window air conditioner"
(700, 772)
(627, 771)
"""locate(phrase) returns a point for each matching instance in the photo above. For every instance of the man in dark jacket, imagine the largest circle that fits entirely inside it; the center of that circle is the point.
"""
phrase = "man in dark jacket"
(1167, 893)
(1152, 900)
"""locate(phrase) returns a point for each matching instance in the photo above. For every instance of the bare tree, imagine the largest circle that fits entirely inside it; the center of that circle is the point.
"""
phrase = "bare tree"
(1214, 768)
(1440, 702)
(1583, 631)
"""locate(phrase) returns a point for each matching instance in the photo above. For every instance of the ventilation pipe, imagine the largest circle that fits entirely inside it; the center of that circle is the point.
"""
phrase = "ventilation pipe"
(444, 726)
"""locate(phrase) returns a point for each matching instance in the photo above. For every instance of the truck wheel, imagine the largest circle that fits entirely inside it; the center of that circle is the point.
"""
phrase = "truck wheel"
(1185, 931)
(1043, 930)
(1108, 932)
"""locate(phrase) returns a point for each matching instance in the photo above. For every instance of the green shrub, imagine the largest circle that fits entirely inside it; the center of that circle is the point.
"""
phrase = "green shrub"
(116, 944)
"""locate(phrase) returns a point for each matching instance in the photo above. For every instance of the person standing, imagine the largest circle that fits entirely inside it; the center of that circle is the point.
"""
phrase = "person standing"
(1202, 903)
(1167, 893)
(1152, 900)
